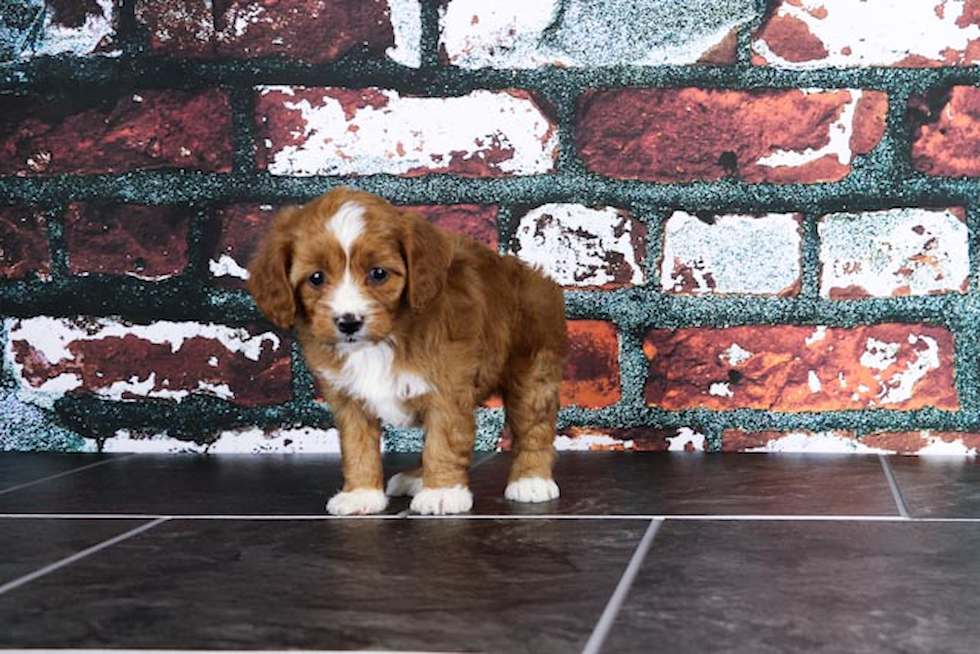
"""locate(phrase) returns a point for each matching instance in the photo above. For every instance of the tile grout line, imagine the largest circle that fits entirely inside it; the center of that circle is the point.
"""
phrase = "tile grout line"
(66, 473)
(886, 466)
(605, 624)
(688, 517)
(87, 650)
(492, 455)
(77, 556)
(502, 517)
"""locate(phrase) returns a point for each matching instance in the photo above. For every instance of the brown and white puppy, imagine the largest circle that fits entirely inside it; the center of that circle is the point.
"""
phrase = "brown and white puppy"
(410, 325)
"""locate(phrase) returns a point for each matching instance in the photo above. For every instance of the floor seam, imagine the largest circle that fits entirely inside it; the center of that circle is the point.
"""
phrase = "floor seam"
(569, 517)
(59, 475)
(896, 490)
(78, 556)
(492, 455)
(604, 626)
(130, 650)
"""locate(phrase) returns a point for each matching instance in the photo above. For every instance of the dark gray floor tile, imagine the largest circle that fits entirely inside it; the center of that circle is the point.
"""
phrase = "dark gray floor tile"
(194, 485)
(940, 486)
(827, 587)
(19, 468)
(29, 545)
(653, 483)
(465, 585)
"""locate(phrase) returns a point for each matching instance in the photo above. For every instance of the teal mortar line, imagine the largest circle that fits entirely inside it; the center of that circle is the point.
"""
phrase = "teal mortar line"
(861, 191)
(882, 179)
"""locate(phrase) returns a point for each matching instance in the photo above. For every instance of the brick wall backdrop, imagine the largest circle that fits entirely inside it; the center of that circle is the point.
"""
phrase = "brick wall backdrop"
(764, 213)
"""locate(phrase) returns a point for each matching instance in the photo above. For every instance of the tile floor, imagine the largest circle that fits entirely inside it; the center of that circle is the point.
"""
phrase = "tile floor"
(643, 553)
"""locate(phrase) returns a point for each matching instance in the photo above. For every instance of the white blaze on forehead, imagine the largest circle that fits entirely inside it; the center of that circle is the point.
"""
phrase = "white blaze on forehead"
(347, 224)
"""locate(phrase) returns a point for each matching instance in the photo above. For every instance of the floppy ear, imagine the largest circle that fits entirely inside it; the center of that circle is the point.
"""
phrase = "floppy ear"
(428, 253)
(268, 273)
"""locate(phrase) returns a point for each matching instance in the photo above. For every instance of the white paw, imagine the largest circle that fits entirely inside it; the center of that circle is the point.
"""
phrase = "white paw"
(403, 485)
(440, 501)
(532, 489)
(357, 502)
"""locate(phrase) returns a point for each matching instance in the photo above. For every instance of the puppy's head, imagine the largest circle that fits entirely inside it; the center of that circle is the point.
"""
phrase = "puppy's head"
(348, 265)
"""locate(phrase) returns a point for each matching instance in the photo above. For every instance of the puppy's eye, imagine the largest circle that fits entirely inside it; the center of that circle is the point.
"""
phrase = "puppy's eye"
(317, 279)
(378, 275)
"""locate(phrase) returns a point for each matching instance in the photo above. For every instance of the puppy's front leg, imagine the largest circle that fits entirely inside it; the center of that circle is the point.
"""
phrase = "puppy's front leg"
(360, 448)
(450, 431)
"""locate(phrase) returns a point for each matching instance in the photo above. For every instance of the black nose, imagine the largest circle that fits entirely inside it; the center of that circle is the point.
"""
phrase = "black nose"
(349, 324)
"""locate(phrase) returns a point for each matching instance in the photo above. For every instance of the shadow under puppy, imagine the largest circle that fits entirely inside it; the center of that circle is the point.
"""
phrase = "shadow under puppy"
(410, 325)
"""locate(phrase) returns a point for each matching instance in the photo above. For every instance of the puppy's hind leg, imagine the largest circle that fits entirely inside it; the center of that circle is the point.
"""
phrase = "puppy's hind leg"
(405, 484)
(531, 399)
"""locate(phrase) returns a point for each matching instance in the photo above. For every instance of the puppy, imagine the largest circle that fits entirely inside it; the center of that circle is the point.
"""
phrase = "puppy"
(410, 325)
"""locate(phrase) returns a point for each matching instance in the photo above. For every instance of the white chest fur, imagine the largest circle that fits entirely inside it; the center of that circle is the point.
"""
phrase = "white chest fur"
(367, 375)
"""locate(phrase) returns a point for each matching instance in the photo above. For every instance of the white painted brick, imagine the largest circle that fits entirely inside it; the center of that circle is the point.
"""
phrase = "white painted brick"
(939, 446)
(927, 442)
(483, 133)
(826, 442)
(582, 247)
(587, 441)
(737, 254)
(893, 253)
(118, 360)
(803, 34)
(684, 439)
(97, 30)
(533, 33)
(406, 22)
(298, 440)
(924, 442)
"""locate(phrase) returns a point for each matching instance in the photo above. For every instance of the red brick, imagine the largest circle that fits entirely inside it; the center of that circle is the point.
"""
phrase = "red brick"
(772, 135)
(844, 33)
(238, 230)
(475, 221)
(790, 39)
(736, 440)
(636, 439)
(148, 242)
(166, 360)
(310, 30)
(23, 243)
(315, 31)
(946, 137)
(148, 130)
(846, 441)
(724, 53)
(183, 29)
(796, 368)
(592, 371)
(925, 442)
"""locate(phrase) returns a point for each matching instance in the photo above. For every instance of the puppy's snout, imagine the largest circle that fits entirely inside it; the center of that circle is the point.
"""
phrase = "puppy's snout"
(348, 324)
